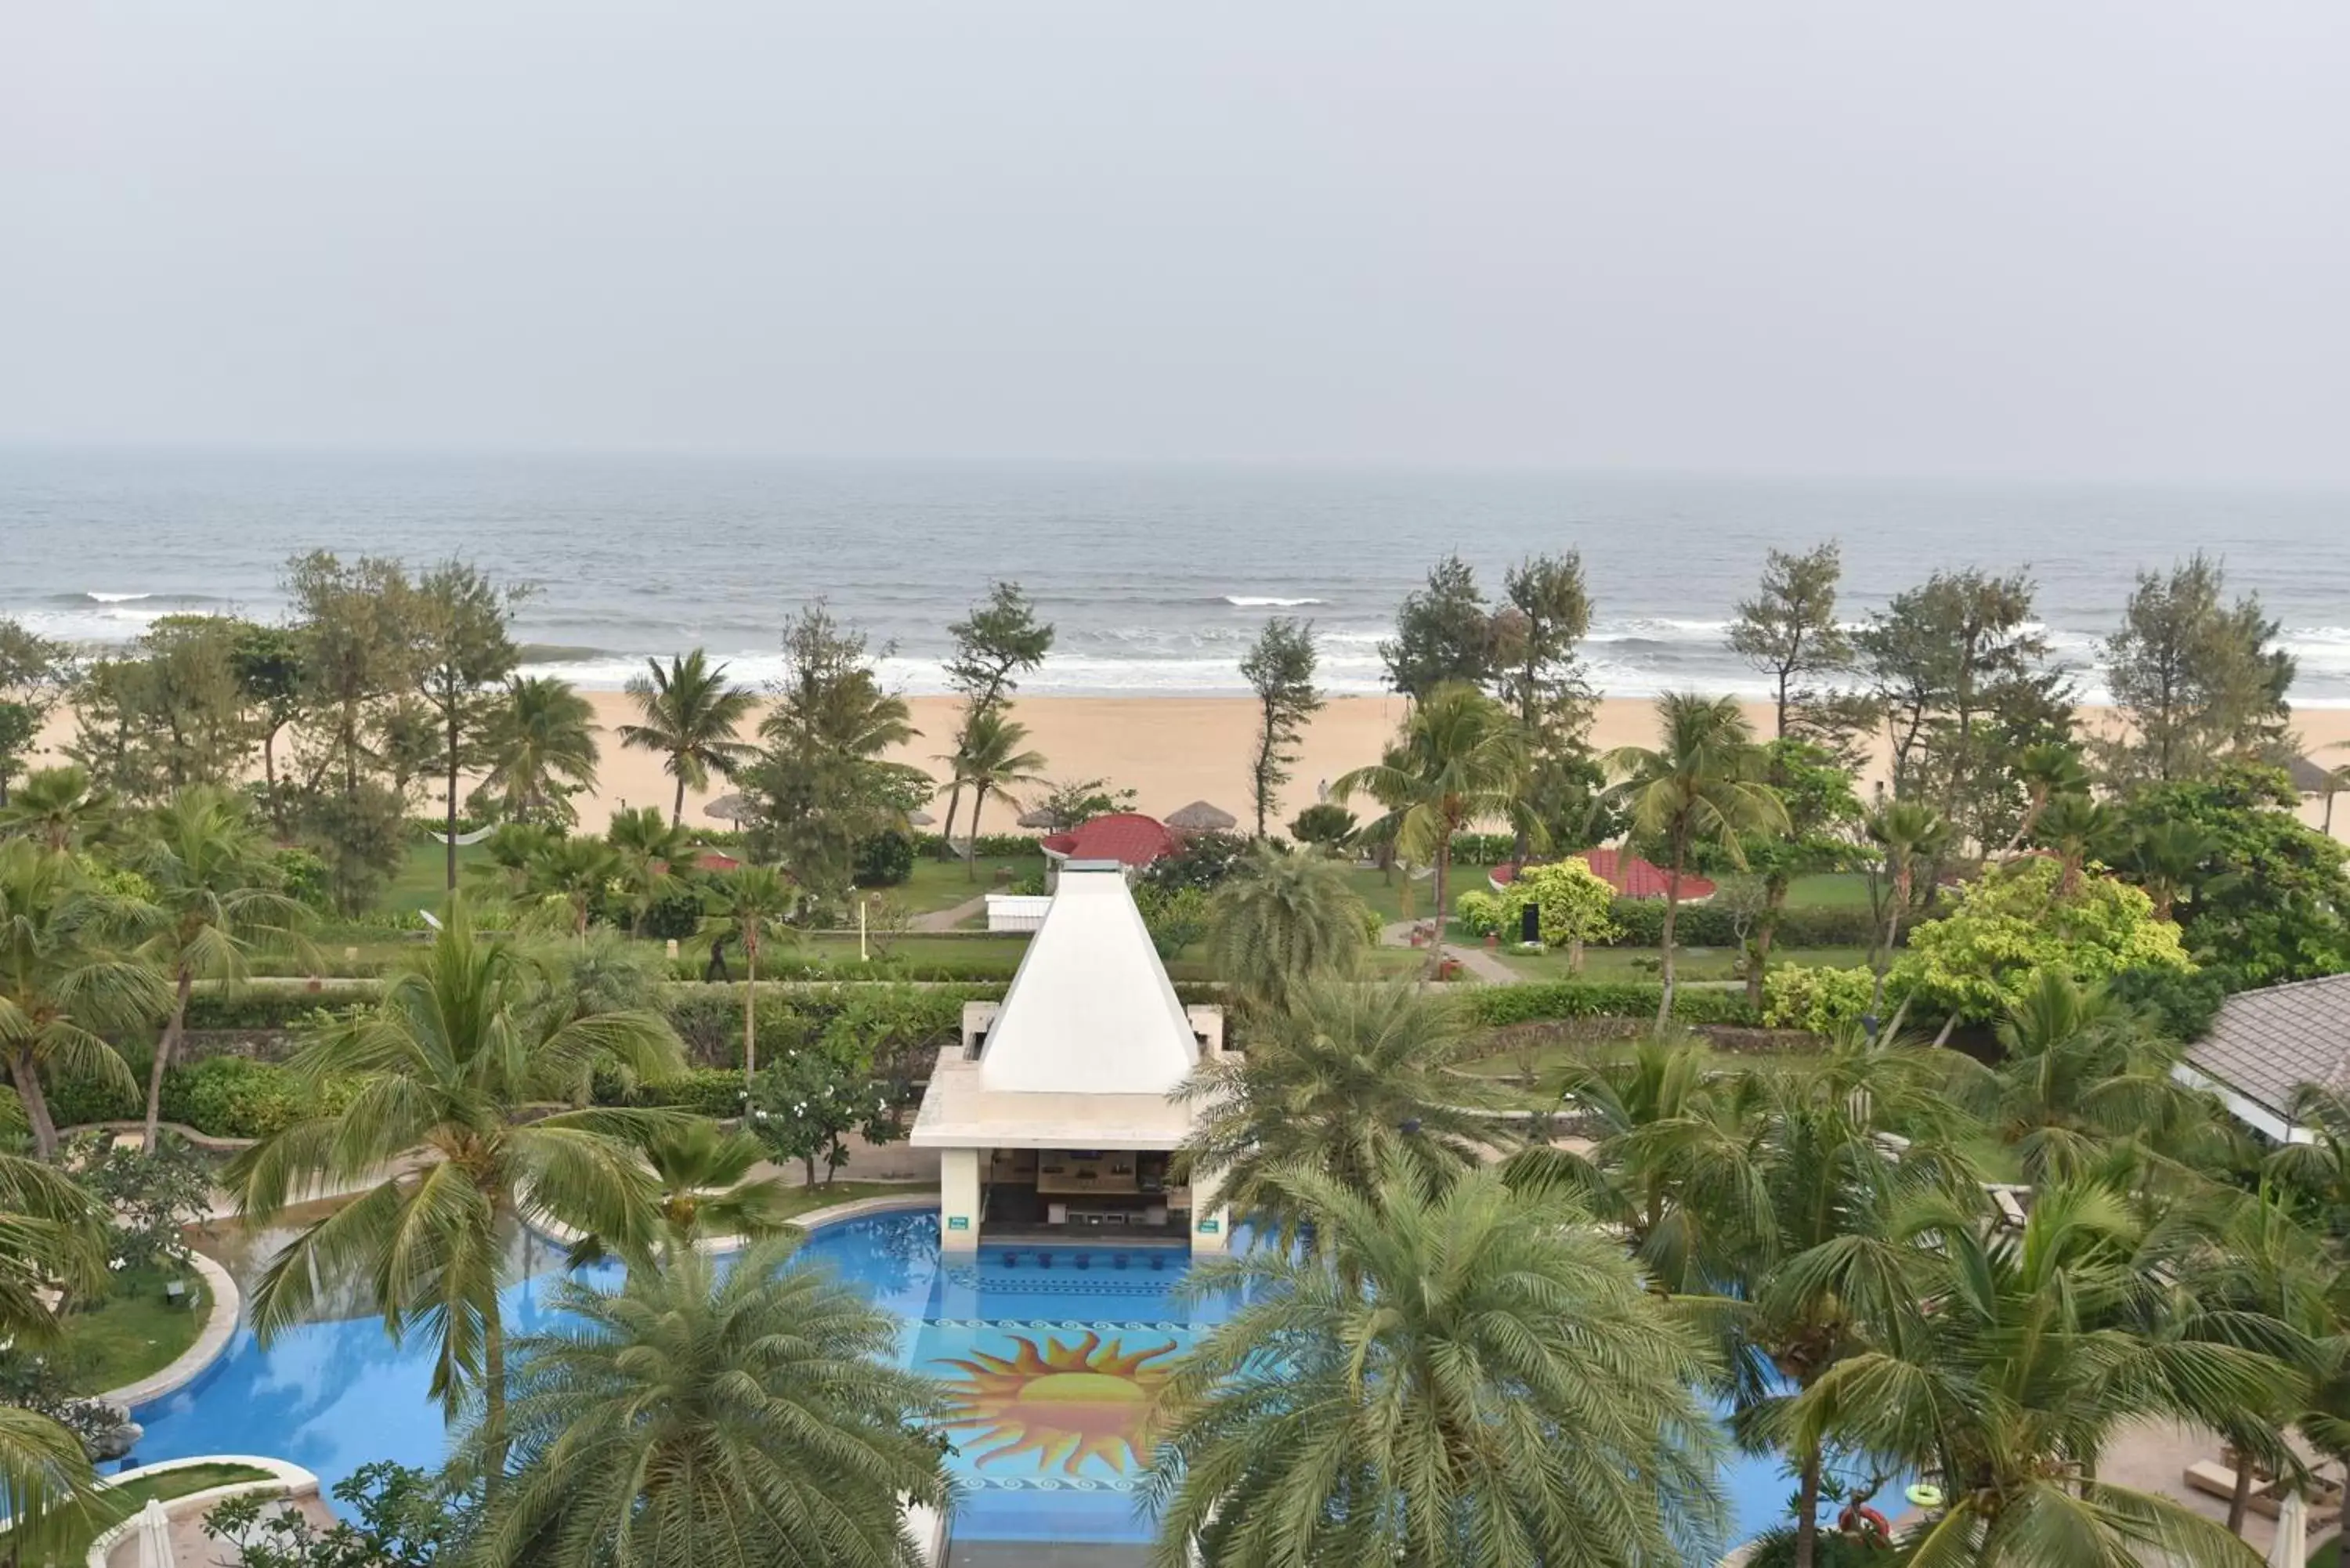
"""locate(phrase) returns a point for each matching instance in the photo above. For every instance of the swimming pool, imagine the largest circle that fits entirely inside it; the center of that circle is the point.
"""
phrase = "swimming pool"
(1049, 1354)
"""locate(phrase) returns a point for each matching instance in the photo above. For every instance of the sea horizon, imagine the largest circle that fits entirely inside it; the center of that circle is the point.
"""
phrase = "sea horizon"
(1156, 573)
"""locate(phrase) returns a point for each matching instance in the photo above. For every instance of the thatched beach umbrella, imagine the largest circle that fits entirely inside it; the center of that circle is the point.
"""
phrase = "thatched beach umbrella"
(921, 819)
(1200, 817)
(1039, 817)
(728, 808)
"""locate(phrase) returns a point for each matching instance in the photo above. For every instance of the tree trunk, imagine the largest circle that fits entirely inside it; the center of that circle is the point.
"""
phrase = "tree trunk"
(26, 1075)
(1758, 960)
(493, 1396)
(954, 809)
(1575, 955)
(1807, 1510)
(1443, 879)
(1898, 896)
(268, 774)
(808, 1163)
(750, 1008)
(677, 806)
(971, 855)
(451, 846)
(1949, 1024)
(2239, 1500)
(163, 1049)
(1672, 914)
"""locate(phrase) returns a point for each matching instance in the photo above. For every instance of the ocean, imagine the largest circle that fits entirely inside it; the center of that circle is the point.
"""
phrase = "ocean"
(1157, 577)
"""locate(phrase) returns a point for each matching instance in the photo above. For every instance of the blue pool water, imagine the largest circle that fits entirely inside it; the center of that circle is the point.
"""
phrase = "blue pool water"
(1049, 1354)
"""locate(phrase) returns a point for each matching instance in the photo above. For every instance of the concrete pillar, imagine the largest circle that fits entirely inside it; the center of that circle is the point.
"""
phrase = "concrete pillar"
(1211, 1224)
(959, 1200)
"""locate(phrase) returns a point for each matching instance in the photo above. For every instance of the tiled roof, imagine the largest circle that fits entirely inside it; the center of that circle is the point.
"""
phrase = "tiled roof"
(1629, 874)
(1127, 836)
(2266, 1043)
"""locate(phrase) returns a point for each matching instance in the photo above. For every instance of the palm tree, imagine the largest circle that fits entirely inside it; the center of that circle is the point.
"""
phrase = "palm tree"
(1461, 760)
(650, 855)
(59, 808)
(578, 871)
(2167, 860)
(721, 1418)
(754, 901)
(49, 1495)
(2006, 1368)
(444, 1077)
(706, 1190)
(1282, 920)
(1705, 780)
(63, 979)
(991, 762)
(507, 854)
(543, 749)
(1814, 1254)
(1910, 832)
(691, 717)
(2074, 827)
(2050, 770)
(1345, 1079)
(2085, 1083)
(209, 870)
(1458, 1377)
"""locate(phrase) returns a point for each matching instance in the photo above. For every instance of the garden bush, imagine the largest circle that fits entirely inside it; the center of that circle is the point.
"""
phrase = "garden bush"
(707, 1091)
(1495, 1006)
(272, 1006)
(1816, 999)
(675, 918)
(992, 845)
(229, 1096)
(1481, 913)
(1640, 923)
(884, 860)
(1483, 848)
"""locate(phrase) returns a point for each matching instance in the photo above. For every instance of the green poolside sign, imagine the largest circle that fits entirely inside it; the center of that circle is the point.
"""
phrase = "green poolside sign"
(1210, 1227)
(958, 1221)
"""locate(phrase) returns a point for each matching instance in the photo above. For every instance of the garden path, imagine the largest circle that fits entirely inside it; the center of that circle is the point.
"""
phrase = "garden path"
(1476, 961)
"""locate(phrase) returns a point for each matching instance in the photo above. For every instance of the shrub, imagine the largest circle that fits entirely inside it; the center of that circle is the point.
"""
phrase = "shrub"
(884, 860)
(992, 845)
(1495, 1006)
(79, 1101)
(1576, 903)
(1483, 848)
(1203, 861)
(675, 918)
(273, 1006)
(1029, 885)
(303, 875)
(1481, 913)
(229, 1096)
(2182, 1005)
(707, 1091)
(1816, 999)
(1640, 923)
(1326, 825)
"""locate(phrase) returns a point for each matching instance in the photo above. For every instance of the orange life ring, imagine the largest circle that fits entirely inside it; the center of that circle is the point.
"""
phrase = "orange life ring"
(1868, 1516)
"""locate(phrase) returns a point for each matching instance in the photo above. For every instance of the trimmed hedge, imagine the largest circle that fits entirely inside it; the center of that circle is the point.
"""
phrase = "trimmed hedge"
(1642, 925)
(272, 1006)
(1496, 1006)
(707, 1091)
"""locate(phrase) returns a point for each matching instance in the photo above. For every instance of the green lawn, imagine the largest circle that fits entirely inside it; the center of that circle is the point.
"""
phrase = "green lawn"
(1641, 964)
(799, 1200)
(1829, 890)
(422, 881)
(133, 1333)
(118, 1504)
(942, 884)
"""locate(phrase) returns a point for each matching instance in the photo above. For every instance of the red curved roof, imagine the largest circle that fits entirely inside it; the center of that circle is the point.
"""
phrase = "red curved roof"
(1126, 837)
(1631, 876)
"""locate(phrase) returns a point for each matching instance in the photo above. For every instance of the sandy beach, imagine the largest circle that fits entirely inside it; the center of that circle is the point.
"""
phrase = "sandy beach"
(1175, 749)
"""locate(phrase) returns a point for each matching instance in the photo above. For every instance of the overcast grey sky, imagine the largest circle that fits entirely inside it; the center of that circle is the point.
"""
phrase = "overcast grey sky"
(2047, 237)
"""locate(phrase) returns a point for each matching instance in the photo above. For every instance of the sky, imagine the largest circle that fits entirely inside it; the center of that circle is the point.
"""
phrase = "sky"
(2100, 239)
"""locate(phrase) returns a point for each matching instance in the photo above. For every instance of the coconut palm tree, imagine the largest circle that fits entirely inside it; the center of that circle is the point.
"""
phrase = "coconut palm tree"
(991, 762)
(1705, 779)
(754, 901)
(652, 861)
(48, 1492)
(706, 1417)
(59, 808)
(2169, 859)
(1461, 759)
(1281, 920)
(65, 978)
(2084, 1082)
(543, 749)
(1343, 1079)
(2007, 1367)
(442, 1080)
(1911, 833)
(209, 866)
(2074, 827)
(1457, 1376)
(691, 716)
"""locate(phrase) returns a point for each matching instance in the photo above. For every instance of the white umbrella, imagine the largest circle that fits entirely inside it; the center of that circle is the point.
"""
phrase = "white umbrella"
(154, 1536)
(2290, 1548)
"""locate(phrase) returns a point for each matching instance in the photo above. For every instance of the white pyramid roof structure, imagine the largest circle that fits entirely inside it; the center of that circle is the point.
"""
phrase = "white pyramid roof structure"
(1090, 1010)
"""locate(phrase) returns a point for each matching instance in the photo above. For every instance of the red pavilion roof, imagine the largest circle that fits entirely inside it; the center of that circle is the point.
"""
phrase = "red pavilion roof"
(1631, 876)
(1126, 837)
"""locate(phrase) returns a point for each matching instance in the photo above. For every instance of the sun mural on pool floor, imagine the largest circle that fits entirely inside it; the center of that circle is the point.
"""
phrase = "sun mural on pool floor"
(1061, 1402)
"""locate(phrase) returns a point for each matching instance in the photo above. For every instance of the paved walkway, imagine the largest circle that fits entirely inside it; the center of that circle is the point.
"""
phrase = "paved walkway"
(948, 920)
(1476, 961)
